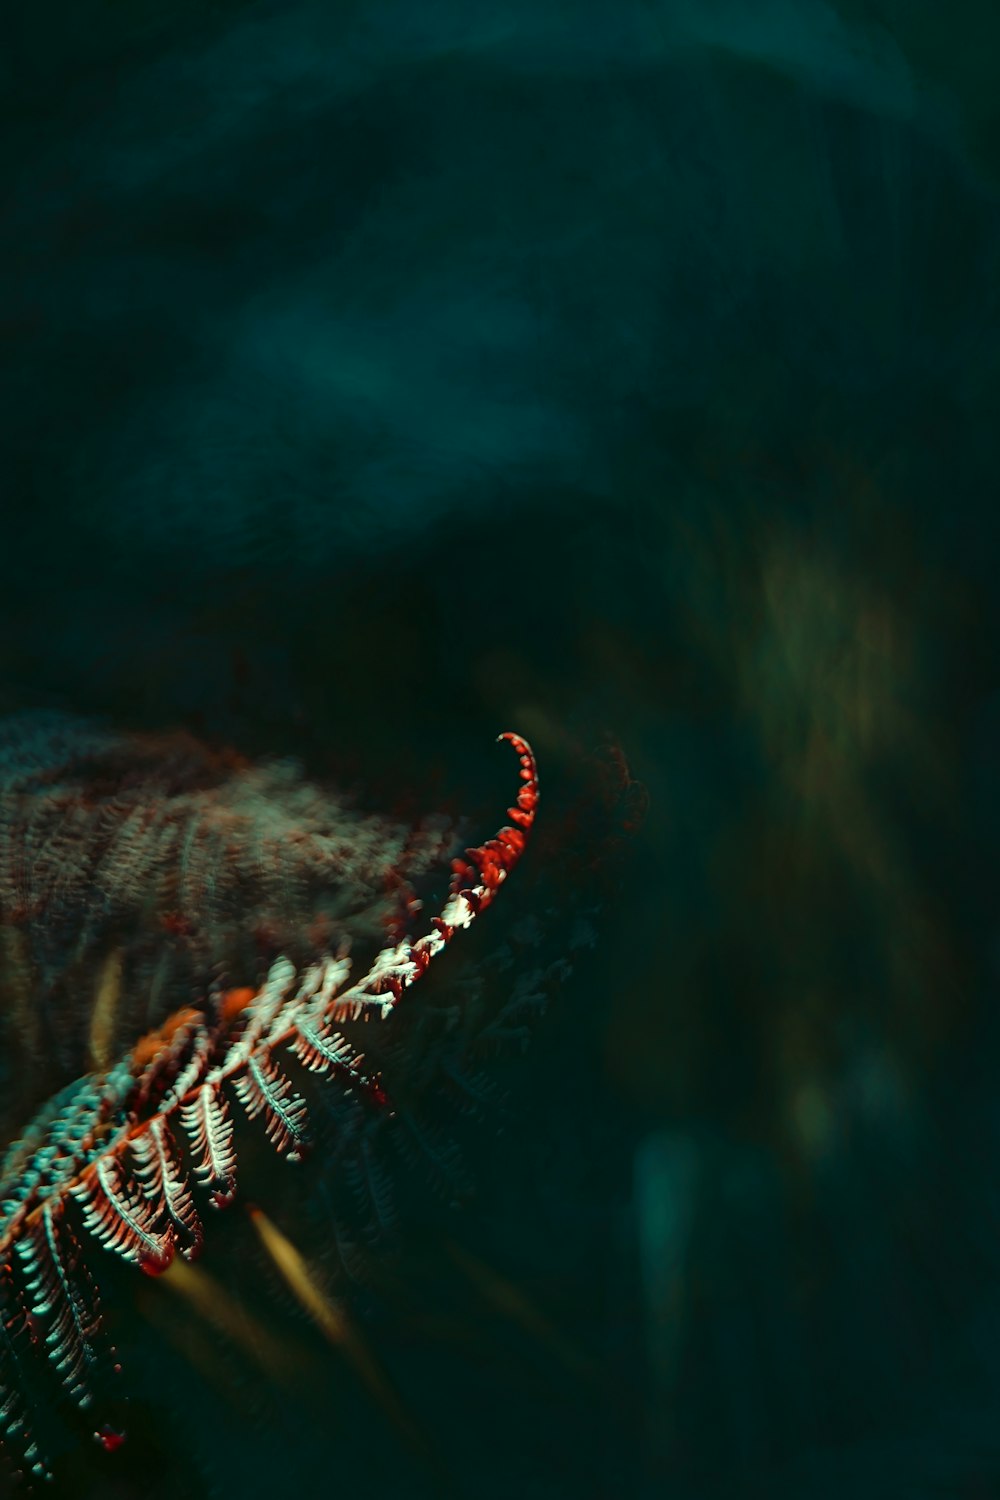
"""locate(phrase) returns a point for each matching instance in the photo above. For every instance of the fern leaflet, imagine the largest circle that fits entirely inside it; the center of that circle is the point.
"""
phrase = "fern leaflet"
(162, 1179)
(210, 1129)
(264, 1088)
(56, 1293)
(119, 1216)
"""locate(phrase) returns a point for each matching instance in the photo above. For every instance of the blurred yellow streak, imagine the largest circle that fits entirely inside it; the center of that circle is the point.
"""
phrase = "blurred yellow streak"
(333, 1322)
(105, 1013)
(217, 1307)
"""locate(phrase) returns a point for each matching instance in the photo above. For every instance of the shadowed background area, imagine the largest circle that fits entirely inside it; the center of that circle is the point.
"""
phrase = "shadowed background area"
(377, 376)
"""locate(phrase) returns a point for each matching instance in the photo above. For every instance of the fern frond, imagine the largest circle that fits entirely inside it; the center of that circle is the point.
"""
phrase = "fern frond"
(167, 1189)
(15, 1428)
(474, 885)
(118, 1215)
(321, 1052)
(264, 1088)
(49, 1253)
(206, 1119)
(45, 1170)
(264, 1011)
(110, 1142)
(193, 1072)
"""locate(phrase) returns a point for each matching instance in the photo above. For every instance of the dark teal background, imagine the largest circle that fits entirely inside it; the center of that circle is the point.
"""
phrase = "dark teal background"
(379, 375)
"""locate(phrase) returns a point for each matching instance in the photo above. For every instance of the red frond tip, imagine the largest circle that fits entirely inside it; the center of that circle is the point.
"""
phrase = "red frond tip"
(523, 812)
(478, 877)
